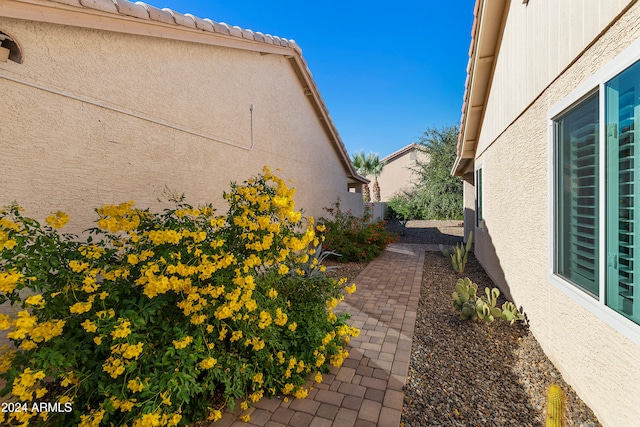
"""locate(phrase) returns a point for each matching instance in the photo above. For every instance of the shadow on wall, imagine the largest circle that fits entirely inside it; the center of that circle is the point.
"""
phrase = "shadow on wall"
(485, 253)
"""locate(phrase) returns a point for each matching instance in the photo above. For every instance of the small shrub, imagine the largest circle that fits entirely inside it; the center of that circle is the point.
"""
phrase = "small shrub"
(355, 238)
(403, 207)
(164, 319)
(470, 306)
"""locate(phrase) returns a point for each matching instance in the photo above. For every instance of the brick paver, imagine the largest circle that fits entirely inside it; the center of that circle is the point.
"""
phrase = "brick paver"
(368, 389)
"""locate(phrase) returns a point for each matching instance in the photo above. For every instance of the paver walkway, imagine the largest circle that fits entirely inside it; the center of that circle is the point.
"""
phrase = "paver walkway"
(368, 389)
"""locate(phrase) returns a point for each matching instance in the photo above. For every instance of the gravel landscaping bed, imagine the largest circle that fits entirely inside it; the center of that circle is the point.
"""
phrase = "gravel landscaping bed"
(465, 373)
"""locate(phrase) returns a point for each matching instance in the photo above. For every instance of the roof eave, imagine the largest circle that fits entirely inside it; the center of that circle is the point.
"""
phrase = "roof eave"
(486, 35)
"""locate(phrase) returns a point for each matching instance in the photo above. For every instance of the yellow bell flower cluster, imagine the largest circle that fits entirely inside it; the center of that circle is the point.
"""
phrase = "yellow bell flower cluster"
(122, 217)
(57, 219)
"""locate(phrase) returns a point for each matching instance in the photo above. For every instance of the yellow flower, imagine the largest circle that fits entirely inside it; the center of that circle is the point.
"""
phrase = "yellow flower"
(89, 326)
(350, 289)
(97, 340)
(281, 318)
(318, 378)
(258, 379)
(288, 388)
(272, 293)
(245, 418)
(183, 342)
(265, 320)
(208, 363)
(254, 397)
(5, 322)
(215, 415)
(78, 266)
(148, 420)
(301, 393)
(28, 345)
(235, 336)
(132, 351)
(57, 219)
(80, 307)
(293, 326)
(283, 269)
(122, 330)
(135, 385)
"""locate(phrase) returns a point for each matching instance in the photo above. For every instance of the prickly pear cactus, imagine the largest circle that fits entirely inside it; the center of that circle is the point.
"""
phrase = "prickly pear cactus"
(510, 313)
(464, 298)
(555, 406)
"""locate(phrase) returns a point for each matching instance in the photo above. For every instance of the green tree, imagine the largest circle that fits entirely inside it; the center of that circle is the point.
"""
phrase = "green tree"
(367, 165)
(439, 193)
(363, 166)
(376, 169)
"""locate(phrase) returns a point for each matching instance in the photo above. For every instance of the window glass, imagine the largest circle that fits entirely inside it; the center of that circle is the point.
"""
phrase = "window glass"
(623, 192)
(576, 141)
(478, 185)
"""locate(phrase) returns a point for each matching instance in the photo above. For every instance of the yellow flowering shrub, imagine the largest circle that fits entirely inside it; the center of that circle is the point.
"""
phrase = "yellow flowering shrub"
(164, 318)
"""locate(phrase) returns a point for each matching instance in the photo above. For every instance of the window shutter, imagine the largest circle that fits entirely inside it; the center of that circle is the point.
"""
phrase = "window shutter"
(577, 233)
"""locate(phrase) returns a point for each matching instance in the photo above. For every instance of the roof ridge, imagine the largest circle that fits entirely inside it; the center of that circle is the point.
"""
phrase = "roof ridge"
(399, 152)
(143, 10)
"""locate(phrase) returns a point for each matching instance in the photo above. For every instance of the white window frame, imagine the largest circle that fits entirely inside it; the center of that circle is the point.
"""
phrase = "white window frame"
(597, 306)
(479, 222)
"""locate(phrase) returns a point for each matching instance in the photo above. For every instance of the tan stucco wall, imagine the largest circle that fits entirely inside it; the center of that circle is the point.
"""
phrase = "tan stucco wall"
(602, 365)
(397, 175)
(540, 39)
(64, 153)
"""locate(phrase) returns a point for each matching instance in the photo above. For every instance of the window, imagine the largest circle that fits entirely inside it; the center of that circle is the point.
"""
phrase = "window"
(479, 202)
(576, 136)
(622, 110)
(596, 186)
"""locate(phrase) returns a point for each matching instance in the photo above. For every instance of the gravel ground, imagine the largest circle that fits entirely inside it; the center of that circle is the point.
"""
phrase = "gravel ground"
(466, 373)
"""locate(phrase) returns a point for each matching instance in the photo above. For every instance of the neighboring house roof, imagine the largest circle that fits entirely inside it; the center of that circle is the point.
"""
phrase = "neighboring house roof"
(143, 19)
(486, 33)
(401, 152)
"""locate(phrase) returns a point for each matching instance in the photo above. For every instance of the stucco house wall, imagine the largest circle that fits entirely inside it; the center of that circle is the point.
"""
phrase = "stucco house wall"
(108, 105)
(397, 175)
(509, 139)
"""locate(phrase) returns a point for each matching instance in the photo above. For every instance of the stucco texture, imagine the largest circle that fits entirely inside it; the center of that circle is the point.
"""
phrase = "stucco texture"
(93, 117)
(601, 364)
(397, 175)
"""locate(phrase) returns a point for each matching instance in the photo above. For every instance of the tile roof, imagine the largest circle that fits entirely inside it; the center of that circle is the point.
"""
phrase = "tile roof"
(146, 11)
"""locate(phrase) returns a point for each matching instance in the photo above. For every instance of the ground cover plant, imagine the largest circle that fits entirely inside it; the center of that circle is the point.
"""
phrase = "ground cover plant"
(165, 318)
(355, 238)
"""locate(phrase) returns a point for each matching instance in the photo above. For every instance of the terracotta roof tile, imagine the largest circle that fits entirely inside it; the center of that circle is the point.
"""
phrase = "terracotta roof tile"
(156, 14)
(103, 5)
(181, 19)
(132, 9)
(143, 10)
(201, 23)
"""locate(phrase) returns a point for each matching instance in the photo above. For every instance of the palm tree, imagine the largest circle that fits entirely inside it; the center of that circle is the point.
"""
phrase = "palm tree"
(362, 165)
(376, 169)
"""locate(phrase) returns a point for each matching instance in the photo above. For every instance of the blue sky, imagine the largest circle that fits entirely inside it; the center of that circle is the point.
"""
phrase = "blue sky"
(386, 70)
